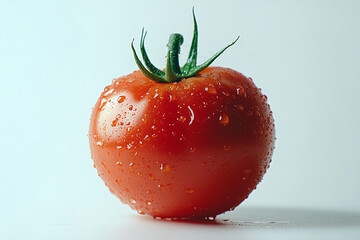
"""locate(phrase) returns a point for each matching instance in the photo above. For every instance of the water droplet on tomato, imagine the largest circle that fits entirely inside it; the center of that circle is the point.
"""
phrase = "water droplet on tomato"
(210, 89)
(99, 143)
(102, 103)
(192, 149)
(239, 107)
(131, 107)
(224, 119)
(240, 91)
(108, 92)
(226, 94)
(149, 203)
(189, 190)
(249, 113)
(192, 116)
(165, 168)
(115, 121)
(132, 201)
(227, 148)
(151, 176)
(247, 171)
(181, 119)
(172, 97)
(121, 99)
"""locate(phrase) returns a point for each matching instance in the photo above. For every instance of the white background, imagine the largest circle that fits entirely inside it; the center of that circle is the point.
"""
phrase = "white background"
(57, 56)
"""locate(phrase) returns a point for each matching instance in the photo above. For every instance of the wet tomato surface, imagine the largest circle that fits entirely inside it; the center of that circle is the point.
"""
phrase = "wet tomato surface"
(191, 148)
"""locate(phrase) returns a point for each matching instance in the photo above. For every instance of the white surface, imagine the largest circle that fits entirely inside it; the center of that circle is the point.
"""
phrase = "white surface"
(57, 56)
(245, 223)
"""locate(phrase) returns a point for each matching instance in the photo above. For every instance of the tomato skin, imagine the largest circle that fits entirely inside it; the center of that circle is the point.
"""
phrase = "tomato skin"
(193, 148)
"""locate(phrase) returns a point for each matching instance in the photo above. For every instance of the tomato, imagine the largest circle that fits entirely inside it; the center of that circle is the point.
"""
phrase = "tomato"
(190, 148)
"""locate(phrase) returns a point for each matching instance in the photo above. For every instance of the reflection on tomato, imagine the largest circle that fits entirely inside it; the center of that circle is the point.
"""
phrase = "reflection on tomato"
(194, 147)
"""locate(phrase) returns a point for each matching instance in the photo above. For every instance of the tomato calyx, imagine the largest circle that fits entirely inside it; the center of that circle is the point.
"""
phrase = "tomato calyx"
(173, 72)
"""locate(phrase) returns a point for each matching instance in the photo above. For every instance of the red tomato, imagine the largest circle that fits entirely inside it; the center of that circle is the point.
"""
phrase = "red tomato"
(195, 147)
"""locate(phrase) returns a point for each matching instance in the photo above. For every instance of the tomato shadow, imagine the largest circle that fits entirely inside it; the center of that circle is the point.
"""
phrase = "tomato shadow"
(193, 221)
(265, 218)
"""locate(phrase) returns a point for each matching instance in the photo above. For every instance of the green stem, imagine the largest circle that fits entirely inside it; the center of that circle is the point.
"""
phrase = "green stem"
(147, 61)
(173, 72)
(191, 61)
